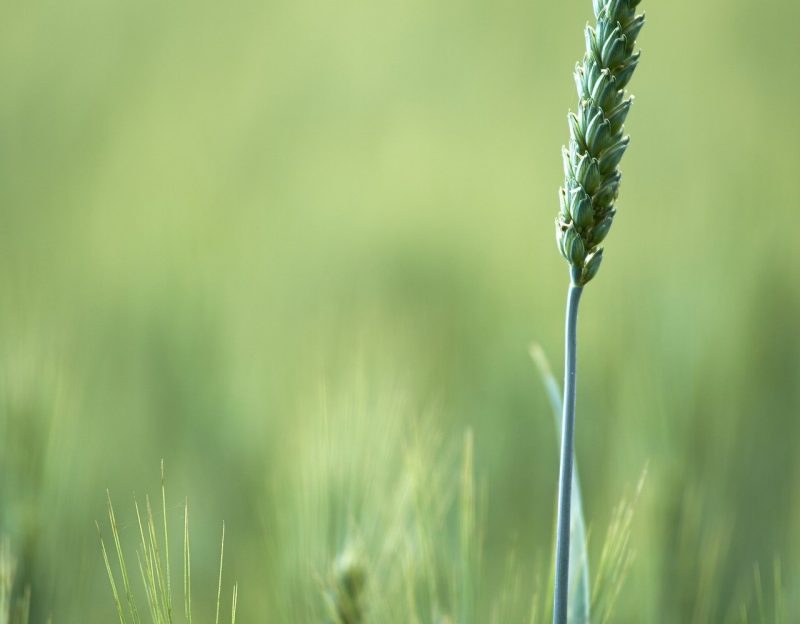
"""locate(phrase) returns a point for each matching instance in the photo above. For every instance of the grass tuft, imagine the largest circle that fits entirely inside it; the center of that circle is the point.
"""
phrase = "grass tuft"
(153, 558)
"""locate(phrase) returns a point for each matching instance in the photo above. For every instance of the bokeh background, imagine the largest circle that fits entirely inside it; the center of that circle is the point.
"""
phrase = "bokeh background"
(215, 216)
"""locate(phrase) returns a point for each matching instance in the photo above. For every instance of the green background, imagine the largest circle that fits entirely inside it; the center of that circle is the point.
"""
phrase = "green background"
(209, 211)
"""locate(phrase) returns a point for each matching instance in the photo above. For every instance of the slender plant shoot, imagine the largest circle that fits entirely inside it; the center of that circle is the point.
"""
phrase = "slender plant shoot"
(590, 190)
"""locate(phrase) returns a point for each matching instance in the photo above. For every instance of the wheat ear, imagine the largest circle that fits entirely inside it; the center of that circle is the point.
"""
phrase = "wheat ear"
(587, 199)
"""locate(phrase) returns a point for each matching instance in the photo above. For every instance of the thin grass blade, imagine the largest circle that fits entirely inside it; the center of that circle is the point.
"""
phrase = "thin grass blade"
(219, 585)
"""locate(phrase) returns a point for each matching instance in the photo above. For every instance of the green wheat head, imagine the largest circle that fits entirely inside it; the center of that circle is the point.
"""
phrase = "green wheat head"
(596, 142)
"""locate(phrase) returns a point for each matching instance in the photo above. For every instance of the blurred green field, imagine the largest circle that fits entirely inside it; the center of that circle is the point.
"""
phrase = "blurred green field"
(225, 225)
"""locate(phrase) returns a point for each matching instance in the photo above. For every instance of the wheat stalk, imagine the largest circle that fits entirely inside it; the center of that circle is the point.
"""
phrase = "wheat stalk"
(587, 199)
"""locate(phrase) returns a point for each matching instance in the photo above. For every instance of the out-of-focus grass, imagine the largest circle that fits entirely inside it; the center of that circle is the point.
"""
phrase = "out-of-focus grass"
(208, 209)
(378, 518)
(14, 602)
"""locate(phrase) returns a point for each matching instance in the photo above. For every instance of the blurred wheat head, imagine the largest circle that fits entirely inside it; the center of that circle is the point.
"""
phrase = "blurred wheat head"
(14, 606)
(381, 520)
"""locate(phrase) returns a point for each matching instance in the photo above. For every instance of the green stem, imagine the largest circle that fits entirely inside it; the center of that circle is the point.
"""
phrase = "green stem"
(561, 595)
